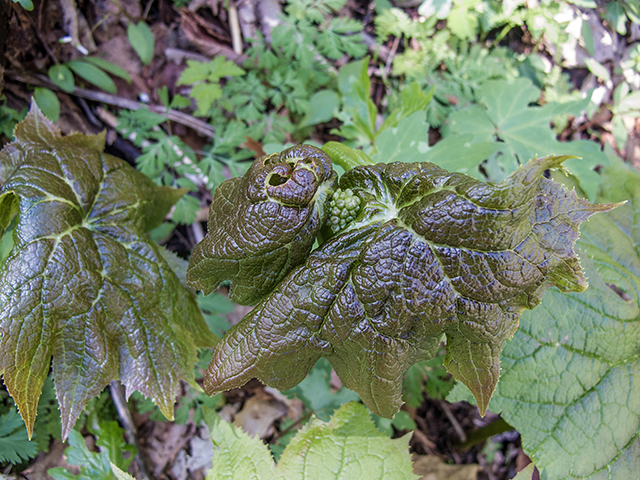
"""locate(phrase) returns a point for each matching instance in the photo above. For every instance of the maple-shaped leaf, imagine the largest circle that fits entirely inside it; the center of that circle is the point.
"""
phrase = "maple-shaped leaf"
(503, 120)
(263, 225)
(84, 284)
(429, 253)
(570, 381)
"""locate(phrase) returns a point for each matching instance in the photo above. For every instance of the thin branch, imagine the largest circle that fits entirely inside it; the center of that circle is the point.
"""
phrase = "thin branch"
(234, 25)
(130, 431)
(454, 421)
(182, 118)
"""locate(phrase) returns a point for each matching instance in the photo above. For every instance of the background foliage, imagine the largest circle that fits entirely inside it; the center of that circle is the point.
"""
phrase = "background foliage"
(475, 86)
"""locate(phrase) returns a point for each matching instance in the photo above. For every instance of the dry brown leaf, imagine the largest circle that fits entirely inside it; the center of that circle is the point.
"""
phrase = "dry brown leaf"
(258, 414)
(431, 467)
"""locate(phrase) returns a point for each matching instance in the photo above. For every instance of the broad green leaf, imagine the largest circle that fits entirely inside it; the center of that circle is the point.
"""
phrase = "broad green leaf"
(26, 4)
(263, 224)
(506, 116)
(460, 154)
(93, 74)
(407, 142)
(195, 72)
(142, 41)
(315, 391)
(62, 77)
(430, 253)
(348, 447)
(412, 100)
(122, 475)
(83, 283)
(617, 17)
(96, 465)
(48, 101)
(235, 453)
(205, 94)
(570, 375)
(598, 69)
(462, 23)
(322, 107)
(346, 157)
(111, 443)
(526, 473)
(354, 85)
(439, 8)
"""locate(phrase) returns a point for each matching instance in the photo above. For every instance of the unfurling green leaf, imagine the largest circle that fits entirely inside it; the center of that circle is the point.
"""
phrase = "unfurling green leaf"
(429, 253)
(83, 283)
(264, 224)
(348, 446)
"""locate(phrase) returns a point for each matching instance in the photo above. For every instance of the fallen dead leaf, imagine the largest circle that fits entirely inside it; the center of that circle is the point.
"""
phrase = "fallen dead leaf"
(258, 414)
(431, 467)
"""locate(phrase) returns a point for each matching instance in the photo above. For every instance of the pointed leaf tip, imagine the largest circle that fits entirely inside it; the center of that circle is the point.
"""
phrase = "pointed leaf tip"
(103, 274)
(431, 253)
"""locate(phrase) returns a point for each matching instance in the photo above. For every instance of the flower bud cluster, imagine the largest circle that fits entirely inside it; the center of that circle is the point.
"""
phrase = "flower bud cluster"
(343, 209)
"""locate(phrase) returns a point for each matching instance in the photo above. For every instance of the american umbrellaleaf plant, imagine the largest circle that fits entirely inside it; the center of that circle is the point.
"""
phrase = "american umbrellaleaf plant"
(407, 253)
(425, 253)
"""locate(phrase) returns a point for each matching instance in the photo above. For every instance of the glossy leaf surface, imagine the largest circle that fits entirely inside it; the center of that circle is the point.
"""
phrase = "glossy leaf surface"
(571, 375)
(263, 225)
(431, 253)
(84, 284)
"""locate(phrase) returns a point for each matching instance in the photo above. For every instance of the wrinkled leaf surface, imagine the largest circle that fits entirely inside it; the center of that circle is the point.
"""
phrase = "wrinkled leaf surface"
(84, 285)
(348, 446)
(263, 224)
(431, 253)
(571, 375)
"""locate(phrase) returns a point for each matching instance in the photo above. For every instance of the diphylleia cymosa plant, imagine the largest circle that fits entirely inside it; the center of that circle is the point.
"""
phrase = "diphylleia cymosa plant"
(408, 253)
(84, 285)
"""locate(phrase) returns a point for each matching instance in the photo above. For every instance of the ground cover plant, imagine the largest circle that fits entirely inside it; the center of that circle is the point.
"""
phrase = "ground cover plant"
(361, 282)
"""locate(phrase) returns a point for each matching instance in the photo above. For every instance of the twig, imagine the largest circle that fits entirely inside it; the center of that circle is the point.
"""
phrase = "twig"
(234, 25)
(454, 421)
(278, 435)
(422, 439)
(482, 434)
(382, 51)
(198, 232)
(175, 116)
(392, 53)
(130, 432)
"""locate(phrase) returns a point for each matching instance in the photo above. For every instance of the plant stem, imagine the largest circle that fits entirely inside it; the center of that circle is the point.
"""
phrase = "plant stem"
(129, 427)
(346, 157)
(480, 435)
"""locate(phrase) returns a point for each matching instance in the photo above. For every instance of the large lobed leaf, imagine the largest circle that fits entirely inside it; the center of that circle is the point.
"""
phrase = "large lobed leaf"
(347, 447)
(84, 284)
(505, 121)
(571, 375)
(430, 253)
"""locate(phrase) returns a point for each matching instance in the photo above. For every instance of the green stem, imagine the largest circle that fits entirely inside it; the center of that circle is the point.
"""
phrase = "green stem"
(346, 157)
(482, 434)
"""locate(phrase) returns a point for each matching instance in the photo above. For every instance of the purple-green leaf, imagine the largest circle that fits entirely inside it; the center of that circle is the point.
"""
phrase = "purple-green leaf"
(84, 285)
(430, 254)
(263, 225)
